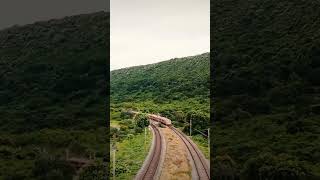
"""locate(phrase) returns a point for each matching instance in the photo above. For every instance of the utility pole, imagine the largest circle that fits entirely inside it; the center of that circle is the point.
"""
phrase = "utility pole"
(114, 148)
(114, 164)
(209, 141)
(145, 138)
(190, 124)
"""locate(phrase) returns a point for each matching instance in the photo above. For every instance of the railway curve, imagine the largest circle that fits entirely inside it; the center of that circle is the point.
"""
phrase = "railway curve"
(152, 163)
(201, 166)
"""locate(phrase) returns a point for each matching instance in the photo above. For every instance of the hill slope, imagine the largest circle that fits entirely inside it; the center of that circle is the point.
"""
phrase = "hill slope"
(266, 59)
(167, 80)
(52, 95)
(56, 64)
(175, 88)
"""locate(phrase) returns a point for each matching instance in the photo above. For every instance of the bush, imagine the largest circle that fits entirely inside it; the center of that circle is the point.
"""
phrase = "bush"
(6, 152)
(94, 172)
(295, 126)
(274, 167)
(50, 168)
(138, 129)
(142, 121)
(224, 167)
(314, 76)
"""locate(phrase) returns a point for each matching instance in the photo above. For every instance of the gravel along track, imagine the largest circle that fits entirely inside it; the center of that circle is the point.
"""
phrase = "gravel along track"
(200, 163)
(148, 172)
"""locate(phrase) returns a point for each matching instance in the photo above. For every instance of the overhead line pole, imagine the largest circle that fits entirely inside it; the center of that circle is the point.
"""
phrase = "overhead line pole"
(114, 149)
(114, 164)
(190, 124)
(201, 133)
(209, 141)
(145, 138)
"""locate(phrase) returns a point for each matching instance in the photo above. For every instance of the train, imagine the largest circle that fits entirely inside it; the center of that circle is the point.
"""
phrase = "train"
(154, 117)
(160, 119)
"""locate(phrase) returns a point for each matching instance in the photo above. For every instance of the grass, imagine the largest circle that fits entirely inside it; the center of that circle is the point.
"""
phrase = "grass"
(131, 155)
(114, 124)
(202, 143)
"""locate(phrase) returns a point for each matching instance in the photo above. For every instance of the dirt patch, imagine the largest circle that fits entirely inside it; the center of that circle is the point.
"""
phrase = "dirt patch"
(176, 164)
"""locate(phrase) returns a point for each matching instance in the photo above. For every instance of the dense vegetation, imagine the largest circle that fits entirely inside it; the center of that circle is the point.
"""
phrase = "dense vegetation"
(177, 89)
(131, 153)
(162, 82)
(52, 95)
(130, 140)
(266, 86)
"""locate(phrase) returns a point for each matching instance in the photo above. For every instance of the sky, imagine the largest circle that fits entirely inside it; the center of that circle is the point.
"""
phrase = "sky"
(149, 31)
(21, 12)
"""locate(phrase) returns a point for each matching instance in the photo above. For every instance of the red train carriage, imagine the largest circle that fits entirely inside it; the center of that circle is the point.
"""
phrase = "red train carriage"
(157, 118)
(160, 119)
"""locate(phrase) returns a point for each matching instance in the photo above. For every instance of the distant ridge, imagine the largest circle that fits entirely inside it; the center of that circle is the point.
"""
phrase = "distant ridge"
(171, 79)
(176, 58)
(55, 64)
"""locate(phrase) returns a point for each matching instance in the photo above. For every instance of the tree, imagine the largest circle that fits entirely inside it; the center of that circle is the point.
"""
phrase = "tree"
(50, 168)
(142, 121)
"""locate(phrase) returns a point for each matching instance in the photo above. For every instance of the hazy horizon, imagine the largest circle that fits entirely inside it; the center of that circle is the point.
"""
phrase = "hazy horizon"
(16, 12)
(149, 31)
(160, 61)
(49, 19)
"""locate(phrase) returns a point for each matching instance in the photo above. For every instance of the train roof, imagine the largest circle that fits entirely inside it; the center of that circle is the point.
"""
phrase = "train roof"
(159, 117)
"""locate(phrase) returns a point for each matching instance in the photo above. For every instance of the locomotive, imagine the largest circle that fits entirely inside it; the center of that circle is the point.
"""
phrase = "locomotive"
(160, 119)
(154, 117)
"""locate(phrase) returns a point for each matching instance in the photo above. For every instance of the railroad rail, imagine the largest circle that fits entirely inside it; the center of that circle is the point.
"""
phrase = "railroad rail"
(201, 166)
(149, 169)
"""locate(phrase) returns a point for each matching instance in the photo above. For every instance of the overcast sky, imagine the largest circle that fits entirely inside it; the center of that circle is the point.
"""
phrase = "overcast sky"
(149, 31)
(29, 11)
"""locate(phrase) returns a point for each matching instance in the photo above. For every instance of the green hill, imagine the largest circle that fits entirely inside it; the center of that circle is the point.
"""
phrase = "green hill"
(52, 94)
(171, 88)
(174, 79)
(266, 58)
(177, 88)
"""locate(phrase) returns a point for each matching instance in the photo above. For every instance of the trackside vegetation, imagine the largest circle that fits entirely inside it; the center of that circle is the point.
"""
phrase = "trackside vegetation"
(266, 61)
(177, 89)
(53, 97)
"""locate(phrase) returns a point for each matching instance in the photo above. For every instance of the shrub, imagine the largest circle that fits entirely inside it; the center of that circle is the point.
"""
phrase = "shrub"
(51, 168)
(224, 167)
(274, 167)
(94, 172)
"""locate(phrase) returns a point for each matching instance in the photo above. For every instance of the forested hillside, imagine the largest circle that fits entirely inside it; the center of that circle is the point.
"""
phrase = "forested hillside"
(174, 79)
(177, 87)
(266, 58)
(52, 95)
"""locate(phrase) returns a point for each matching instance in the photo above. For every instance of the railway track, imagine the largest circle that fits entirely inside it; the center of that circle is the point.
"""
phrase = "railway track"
(149, 170)
(201, 166)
